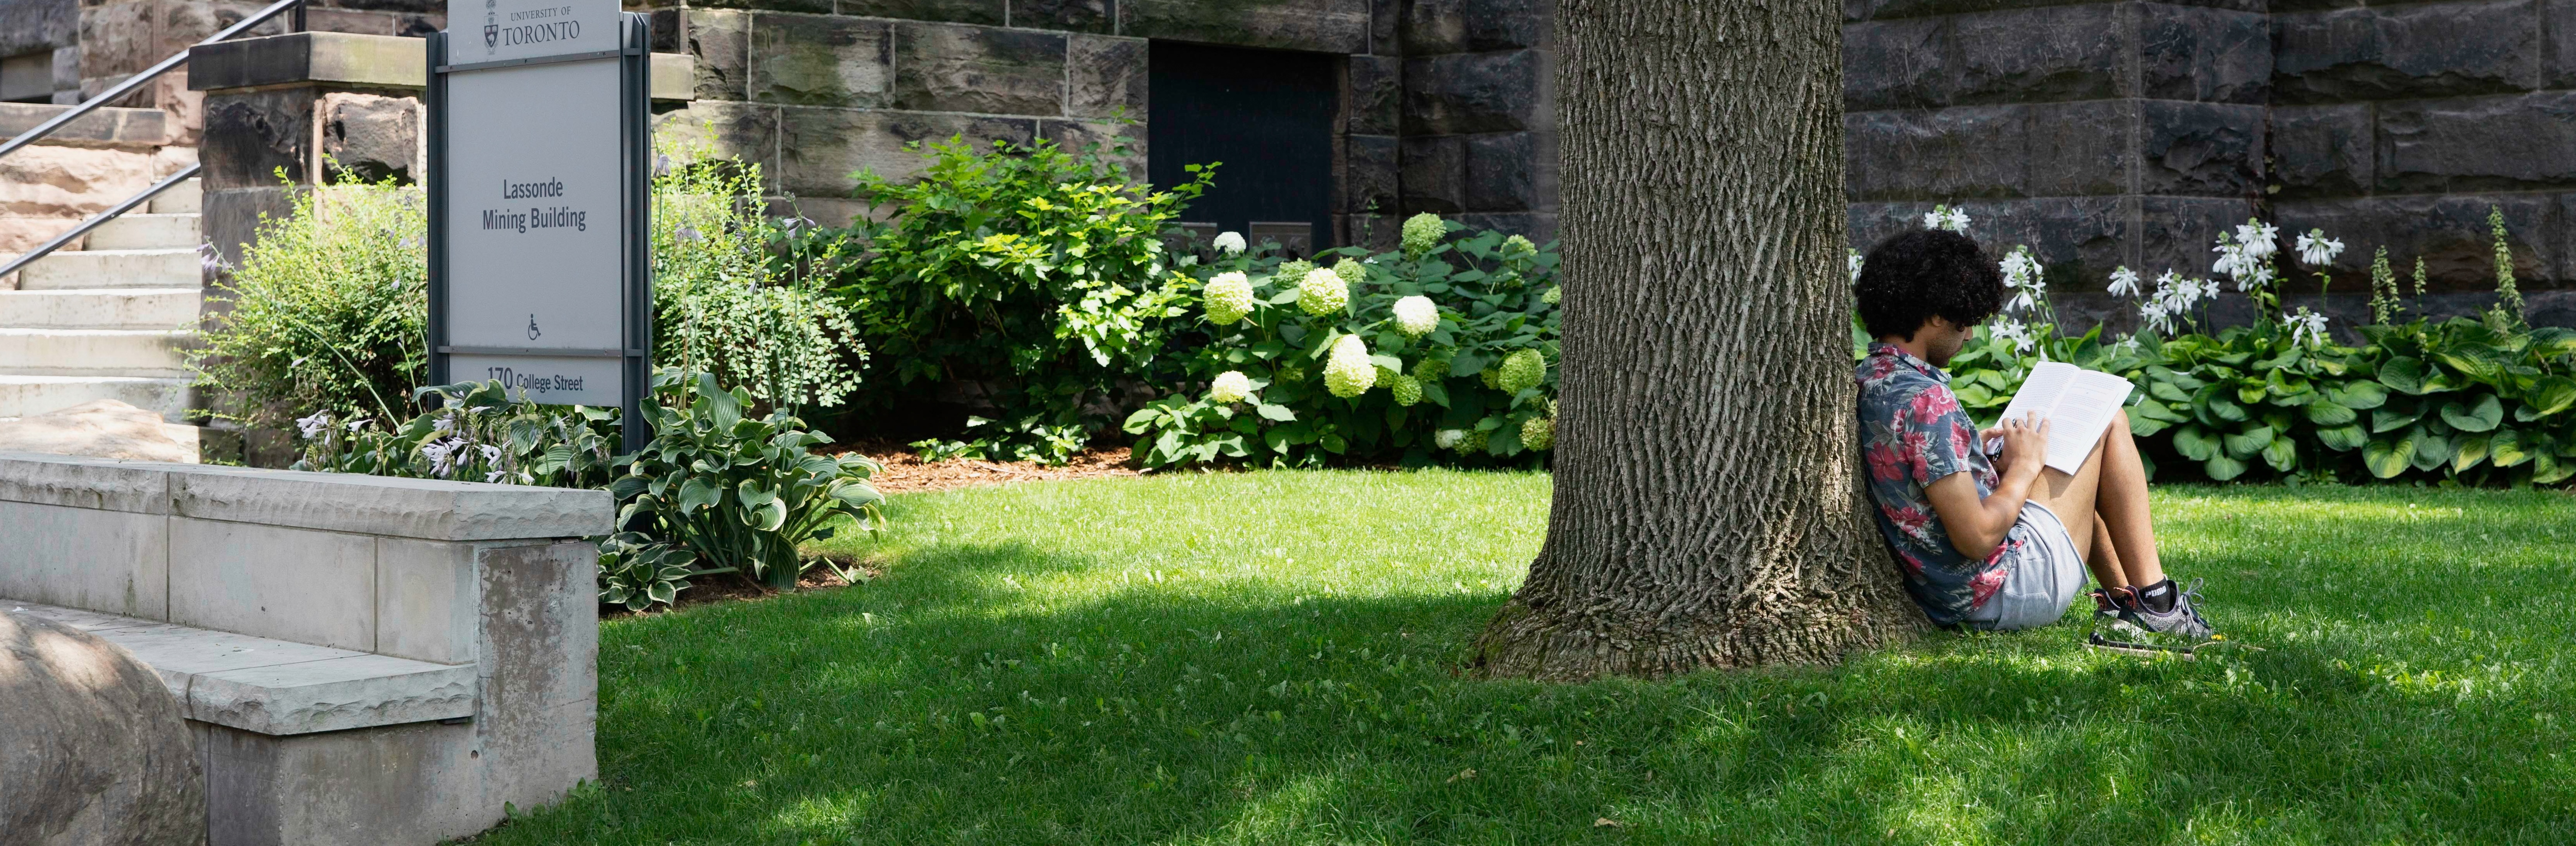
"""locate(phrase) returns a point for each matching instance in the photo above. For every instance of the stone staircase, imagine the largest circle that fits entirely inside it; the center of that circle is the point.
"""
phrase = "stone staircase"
(107, 321)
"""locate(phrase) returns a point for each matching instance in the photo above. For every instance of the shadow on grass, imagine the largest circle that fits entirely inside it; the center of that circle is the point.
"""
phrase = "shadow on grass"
(1005, 693)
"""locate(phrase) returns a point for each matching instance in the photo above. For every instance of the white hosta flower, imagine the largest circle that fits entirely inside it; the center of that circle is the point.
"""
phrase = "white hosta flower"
(2317, 250)
(1229, 387)
(441, 453)
(1449, 438)
(2259, 240)
(2306, 327)
(1229, 243)
(1415, 316)
(2014, 331)
(360, 423)
(2022, 277)
(1945, 217)
(2156, 315)
(2124, 282)
(2255, 277)
(1323, 292)
(495, 475)
(1228, 297)
(490, 453)
(444, 423)
(313, 426)
(1852, 261)
(1348, 372)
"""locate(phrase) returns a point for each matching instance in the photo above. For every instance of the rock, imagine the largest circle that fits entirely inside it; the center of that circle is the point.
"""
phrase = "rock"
(94, 750)
(102, 428)
(371, 136)
(950, 68)
(805, 61)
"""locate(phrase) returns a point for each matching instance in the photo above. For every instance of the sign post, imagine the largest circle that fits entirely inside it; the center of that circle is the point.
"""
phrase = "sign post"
(539, 268)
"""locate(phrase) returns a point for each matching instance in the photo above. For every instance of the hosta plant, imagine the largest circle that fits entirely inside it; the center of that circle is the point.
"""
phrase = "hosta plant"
(470, 431)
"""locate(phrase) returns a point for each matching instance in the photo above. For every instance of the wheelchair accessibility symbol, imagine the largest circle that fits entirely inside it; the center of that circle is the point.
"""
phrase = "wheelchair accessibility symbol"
(533, 331)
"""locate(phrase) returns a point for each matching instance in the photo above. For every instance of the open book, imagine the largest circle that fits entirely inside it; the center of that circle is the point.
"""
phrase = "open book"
(2078, 404)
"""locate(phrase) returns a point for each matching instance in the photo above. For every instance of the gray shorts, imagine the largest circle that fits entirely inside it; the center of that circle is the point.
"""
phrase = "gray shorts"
(2044, 575)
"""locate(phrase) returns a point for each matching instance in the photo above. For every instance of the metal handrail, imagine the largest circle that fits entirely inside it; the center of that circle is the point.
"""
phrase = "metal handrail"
(102, 217)
(137, 80)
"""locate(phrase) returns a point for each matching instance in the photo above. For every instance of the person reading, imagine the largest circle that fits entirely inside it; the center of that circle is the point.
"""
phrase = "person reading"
(2000, 541)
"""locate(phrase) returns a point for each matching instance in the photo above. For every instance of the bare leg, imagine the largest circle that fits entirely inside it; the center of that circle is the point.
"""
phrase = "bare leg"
(2071, 498)
(2105, 560)
(2121, 501)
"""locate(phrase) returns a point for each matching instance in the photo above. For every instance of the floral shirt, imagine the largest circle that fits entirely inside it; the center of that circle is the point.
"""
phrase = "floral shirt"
(1913, 433)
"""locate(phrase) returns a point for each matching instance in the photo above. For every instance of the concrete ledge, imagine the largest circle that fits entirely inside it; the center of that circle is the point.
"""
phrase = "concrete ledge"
(351, 60)
(338, 502)
(108, 126)
(277, 687)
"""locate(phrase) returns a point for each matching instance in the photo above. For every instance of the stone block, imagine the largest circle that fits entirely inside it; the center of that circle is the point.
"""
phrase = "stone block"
(1476, 92)
(1320, 26)
(2175, 233)
(231, 217)
(2203, 54)
(2073, 237)
(809, 60)
(306, 586)
(742, 130)
(821, 148)
(988, 12)
(2516, 142)
(110, 561)
(334, 694)
(1904, 63)
(1099, 16)
(2081, 148)
(2558, 20)
(2321, 151)
(1385, 20)
(117, 39)
(2200, 149)
(2449, 232)
(1370, 180)
(371, 137)
(345, 788)
(720, 41)
(2042, 54)
(1106, 77)
(429, 509)
(2424, 50)
(30, 27)
(1467, 26)
(1511, 172)
(319, 19)
(1375, 232)
(1374, 96)
(79, 482)
(105, 127)
(948, 68)
(1940, 155)
(343, 59)
(428, 600)
(540, 682)
(63, 184)
(1864, 10)
(252, 134)
(1434, 174)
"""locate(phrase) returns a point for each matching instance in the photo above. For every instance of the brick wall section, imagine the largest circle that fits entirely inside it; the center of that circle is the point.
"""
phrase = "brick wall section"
(2101, 134)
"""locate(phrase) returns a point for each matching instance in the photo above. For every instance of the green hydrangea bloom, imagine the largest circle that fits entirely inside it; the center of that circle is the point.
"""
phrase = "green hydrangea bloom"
(1351, 270)
(1431, 369)
(1487, 376)
(1323, 292)
(1474, 442)
(1553, 295)
(1229, 298)
(1416, 316)
(1538, 432)
(1522, 370)
(1292, 270)
(1407, 390)
(1519, 246)
(1229, 387)
(1348, 372)
(1421, 233)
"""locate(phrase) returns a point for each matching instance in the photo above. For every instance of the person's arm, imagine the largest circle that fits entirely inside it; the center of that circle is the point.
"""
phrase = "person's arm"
(1976, 526)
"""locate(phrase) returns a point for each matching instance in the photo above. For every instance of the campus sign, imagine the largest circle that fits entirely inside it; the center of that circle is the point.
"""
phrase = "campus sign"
(538, 275)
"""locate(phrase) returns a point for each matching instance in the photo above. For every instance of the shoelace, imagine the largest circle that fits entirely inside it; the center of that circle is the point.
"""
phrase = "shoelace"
(2190, 601)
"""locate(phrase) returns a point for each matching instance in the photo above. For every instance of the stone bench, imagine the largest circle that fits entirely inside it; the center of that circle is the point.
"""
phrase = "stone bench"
(361, 659)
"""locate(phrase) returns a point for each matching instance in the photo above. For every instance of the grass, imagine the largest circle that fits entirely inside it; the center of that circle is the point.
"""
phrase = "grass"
(1268, 658)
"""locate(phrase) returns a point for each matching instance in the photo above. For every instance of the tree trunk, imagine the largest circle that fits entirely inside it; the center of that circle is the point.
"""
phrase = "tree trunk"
(1708, 511)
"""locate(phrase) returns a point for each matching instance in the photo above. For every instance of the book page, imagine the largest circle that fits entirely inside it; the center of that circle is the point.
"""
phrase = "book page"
(2082, 411)
(2040, 389)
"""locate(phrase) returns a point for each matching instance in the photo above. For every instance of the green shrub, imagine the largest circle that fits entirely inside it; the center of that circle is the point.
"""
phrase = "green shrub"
(1441, 352)
(474, 432)
(735, 491)
(1033, 275)
(733, 292)
(325, 311)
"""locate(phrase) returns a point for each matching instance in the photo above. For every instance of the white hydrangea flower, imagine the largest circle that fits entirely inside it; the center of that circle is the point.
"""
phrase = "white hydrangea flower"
(312, 426)
(1421, 233)
(1228, 297)
(1415, 316)
(1229, 243)
(1553, 296)
(1348, 372)
(1448, 438)
(1521, 371)
(2124, 282)
(2306, 327)
(2317, 250)
(1323, 292)
(1229, 387)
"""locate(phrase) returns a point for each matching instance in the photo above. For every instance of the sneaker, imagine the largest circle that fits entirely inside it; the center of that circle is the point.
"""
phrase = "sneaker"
(2182, 623)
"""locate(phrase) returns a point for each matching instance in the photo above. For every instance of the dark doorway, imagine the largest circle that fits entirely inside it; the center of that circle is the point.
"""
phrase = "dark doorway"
(1267, 115)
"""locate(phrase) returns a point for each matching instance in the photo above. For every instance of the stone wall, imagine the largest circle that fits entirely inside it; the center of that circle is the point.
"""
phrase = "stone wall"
(81, 169)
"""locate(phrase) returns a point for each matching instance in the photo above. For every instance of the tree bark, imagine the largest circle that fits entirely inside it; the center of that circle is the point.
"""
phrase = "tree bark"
(1707, 510)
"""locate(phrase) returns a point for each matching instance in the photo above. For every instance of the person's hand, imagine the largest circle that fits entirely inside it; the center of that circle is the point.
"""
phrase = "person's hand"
(2025, 445)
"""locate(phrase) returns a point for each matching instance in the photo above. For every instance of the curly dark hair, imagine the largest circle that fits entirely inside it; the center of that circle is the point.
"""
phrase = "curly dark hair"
(1910, 278)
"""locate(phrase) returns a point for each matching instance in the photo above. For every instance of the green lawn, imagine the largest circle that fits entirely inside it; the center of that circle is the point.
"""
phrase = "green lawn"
(1268, 658)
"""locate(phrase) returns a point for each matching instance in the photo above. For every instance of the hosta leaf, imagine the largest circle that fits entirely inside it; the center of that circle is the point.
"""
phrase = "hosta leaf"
(2470, 452)
(2144, 426)
(695, 494)
(2343, 438)
(1974, 395)
(2551, 395)
(2504, 448)
(2226, 410)
(2282, 454)
(2329, 413)
(2251, 394)
(2480, 417)
(2430, 449)
(2194, 442)
(2152, 409)
(2246, 443)
(2404, 373)
(2168, 392)
(2386, 420)
(2386, 458)
(2359, 396)
(2222, 468)
(2548, 469)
